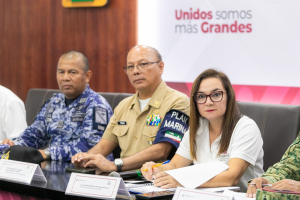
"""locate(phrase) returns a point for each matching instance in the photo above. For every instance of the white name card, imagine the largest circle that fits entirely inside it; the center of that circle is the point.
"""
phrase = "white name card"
(192, 194)
(96, 186)
(21, 172)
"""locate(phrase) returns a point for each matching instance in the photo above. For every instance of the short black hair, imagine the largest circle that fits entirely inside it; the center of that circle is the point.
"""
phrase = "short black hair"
(72, 53)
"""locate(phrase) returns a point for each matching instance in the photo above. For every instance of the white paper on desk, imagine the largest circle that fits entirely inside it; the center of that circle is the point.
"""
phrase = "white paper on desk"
(192, 194)
(21, 172)
(195, 175)
(238, 195)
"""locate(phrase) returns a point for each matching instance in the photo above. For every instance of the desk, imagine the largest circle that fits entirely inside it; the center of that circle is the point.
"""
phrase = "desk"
(57, 181)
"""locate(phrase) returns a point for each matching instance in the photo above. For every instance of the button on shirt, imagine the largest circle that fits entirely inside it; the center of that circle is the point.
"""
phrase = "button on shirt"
(128, 126)
(70, 130)
(245, 143)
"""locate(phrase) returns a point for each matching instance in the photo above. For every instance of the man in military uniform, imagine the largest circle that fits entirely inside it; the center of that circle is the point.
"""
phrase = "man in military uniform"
(146, 126)
(72, 121)
(284, 175)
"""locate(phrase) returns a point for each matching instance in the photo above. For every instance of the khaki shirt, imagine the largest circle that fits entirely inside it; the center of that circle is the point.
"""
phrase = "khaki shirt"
(127, 126)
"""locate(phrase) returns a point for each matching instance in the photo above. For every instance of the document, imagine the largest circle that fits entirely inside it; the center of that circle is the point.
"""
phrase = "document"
(195, 175)
(238, 195)
(142, 187)
(192, 194)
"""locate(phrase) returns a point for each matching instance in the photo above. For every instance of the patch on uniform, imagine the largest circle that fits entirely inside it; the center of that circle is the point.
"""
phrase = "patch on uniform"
(122, 123)
(80, 107)
(60, 124)
(77, 117)
(57, 100)
(173, 127)
(51, 110)
(173, 136)
(100, 128)
(153, 120)
(100, 118)
(49, 119)
(82, 100)
(100, 115)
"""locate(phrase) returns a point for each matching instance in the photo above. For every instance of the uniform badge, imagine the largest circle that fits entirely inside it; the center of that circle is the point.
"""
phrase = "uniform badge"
(157, 111)
(150, 142)
(82, 100)
(156, 104)
(60, 124)
(153, 120)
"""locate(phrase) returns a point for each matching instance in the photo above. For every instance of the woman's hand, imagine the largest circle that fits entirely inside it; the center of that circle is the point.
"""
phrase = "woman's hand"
(151, 171)
(165, 181)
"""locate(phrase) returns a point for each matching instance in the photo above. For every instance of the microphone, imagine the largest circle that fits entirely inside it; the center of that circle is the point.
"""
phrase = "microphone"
(114, 174)
(127, 175)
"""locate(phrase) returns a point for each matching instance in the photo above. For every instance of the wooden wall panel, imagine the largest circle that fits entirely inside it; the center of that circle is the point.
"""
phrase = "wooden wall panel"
(34, 33)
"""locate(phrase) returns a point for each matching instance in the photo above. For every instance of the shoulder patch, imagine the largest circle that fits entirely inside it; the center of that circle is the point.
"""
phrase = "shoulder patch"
(100, 118)
(173, 127)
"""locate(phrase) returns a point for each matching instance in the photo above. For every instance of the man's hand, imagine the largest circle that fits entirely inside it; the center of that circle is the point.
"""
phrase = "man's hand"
(99, 161)
(256, 184)
(286, 184)
(9, 142)
(43, 154)
(80, 159)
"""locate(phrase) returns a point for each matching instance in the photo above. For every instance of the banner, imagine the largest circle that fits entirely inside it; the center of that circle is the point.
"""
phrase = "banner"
(256, 43)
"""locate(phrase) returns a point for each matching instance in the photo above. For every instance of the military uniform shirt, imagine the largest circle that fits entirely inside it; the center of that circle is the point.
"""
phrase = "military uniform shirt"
(289, 165)
(70, 130)
(164, 119)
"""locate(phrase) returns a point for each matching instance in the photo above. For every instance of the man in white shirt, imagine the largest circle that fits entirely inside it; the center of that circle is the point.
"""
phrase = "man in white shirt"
(12, 114)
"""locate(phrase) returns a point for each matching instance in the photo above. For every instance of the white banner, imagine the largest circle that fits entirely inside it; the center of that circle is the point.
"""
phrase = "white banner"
(254, 42)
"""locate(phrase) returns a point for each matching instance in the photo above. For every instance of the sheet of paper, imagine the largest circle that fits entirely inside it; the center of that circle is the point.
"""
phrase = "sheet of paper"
(147, 189)
(22, 172)
(219, 189)
(192, 194)
(238, 195)
(195, 175)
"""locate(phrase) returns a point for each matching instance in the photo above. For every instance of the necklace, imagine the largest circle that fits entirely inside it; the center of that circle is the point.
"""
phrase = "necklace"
(213, 131)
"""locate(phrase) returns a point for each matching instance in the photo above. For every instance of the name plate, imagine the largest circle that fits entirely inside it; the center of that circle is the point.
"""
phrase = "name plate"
(21, 172)
(192, 194)
(96, 186)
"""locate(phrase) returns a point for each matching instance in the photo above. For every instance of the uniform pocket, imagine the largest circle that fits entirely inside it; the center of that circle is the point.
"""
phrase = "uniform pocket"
(120, 131)
(150, 131)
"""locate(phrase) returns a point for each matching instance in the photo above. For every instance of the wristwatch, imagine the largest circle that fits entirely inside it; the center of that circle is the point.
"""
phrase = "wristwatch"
(48, 154)
(119, 163)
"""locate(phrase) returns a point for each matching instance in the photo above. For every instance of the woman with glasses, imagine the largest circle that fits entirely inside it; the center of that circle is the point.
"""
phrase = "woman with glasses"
(217, 132)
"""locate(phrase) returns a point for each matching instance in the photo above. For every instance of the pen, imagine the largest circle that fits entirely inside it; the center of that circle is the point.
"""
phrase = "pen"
(263, 185)
(157, 165)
